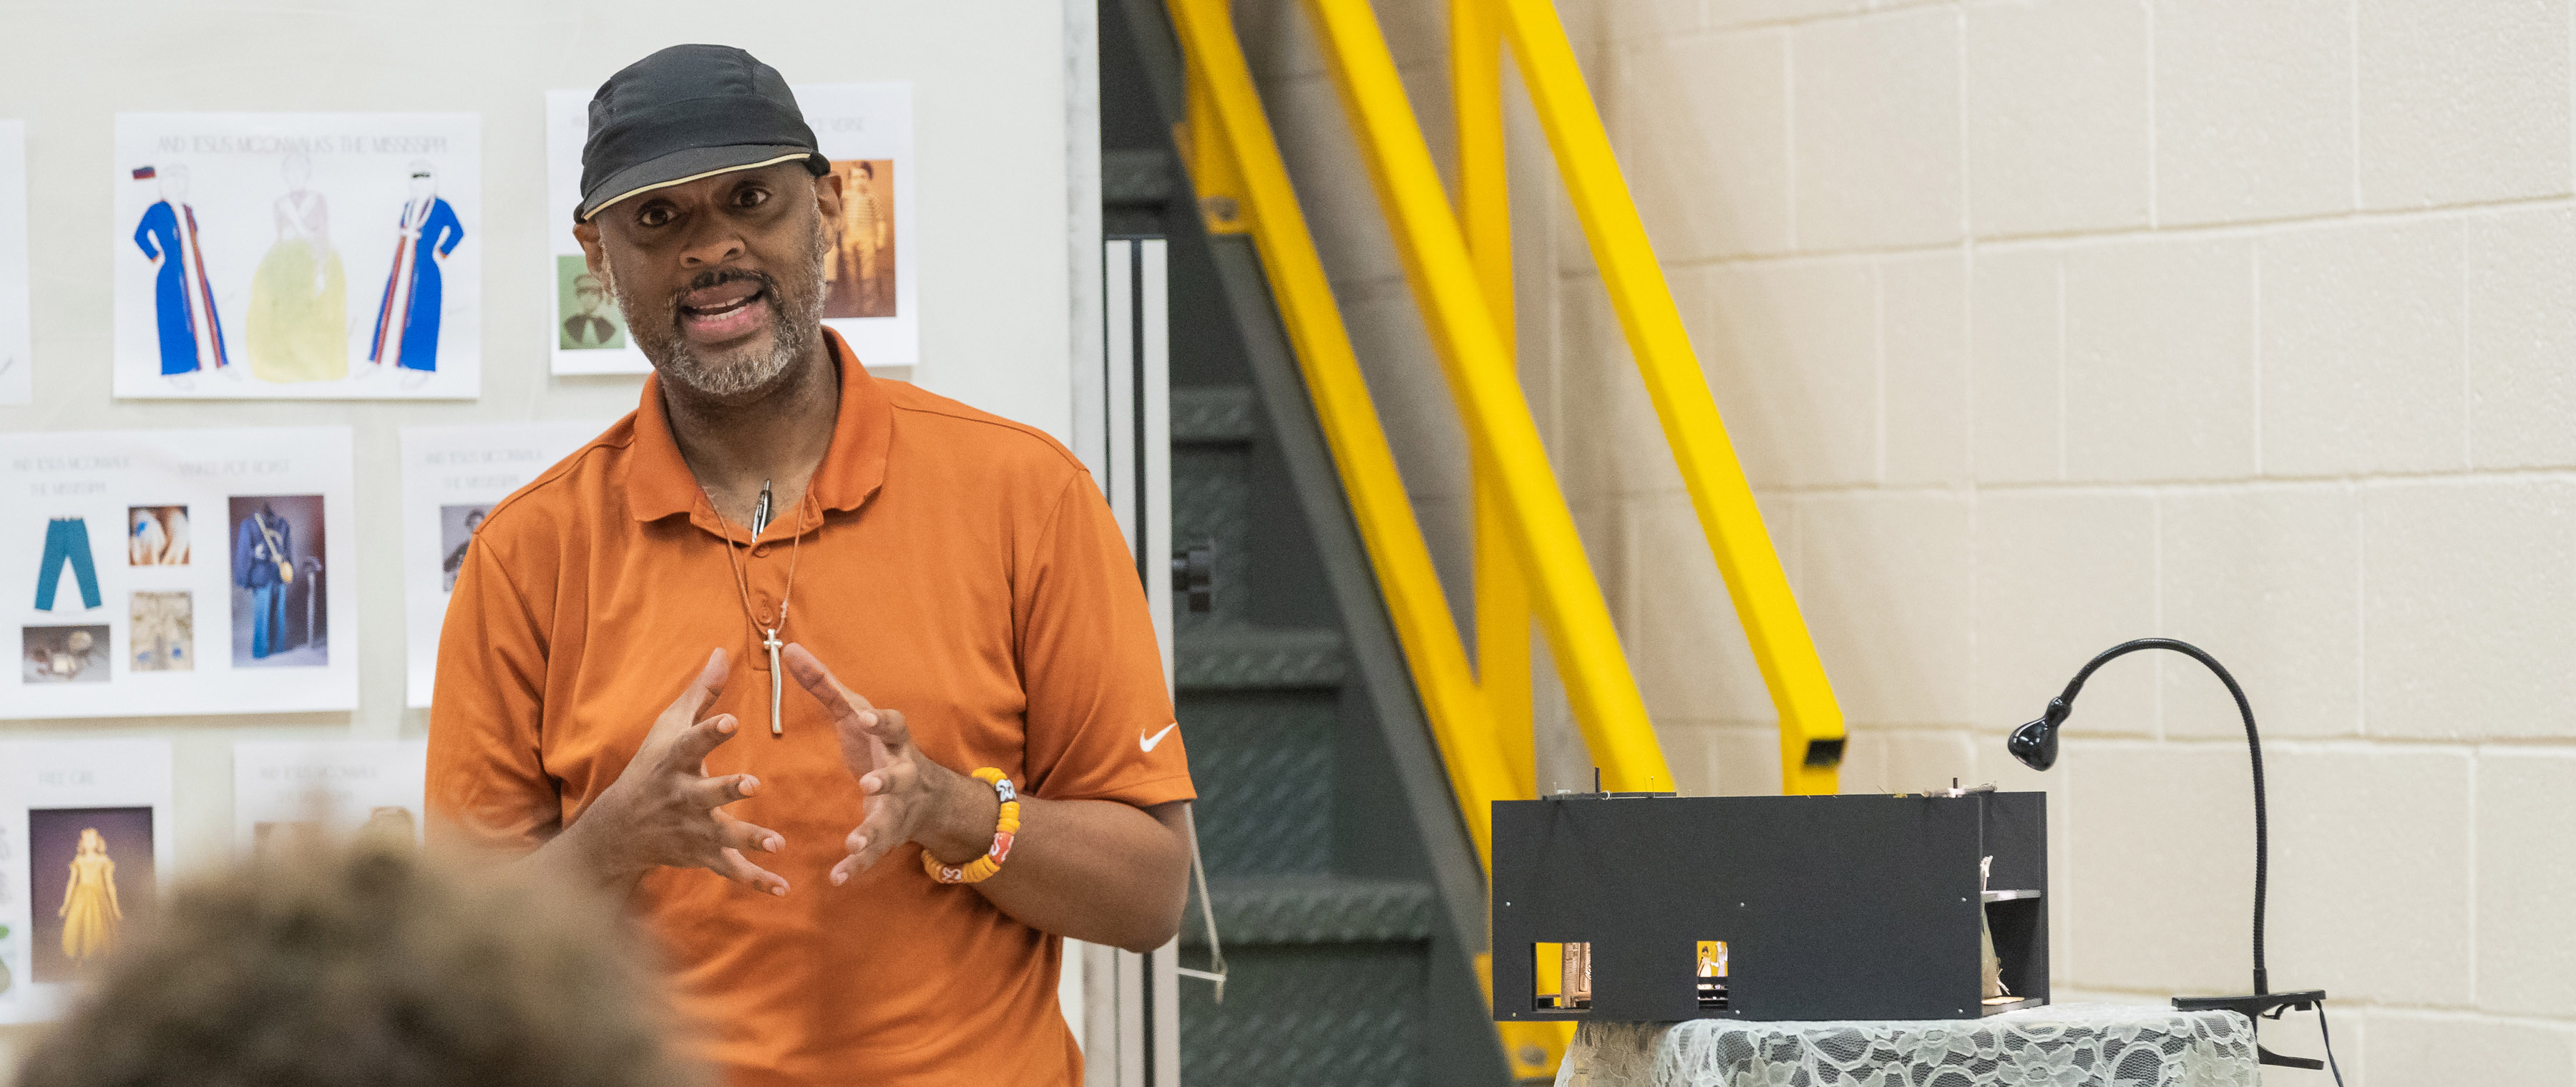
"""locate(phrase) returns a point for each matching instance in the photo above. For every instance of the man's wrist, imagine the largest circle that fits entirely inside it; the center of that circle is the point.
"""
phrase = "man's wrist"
(968, 814)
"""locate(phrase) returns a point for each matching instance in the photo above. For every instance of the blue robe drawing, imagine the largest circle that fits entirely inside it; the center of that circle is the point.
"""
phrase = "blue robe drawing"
(407, 320)
(180, 290)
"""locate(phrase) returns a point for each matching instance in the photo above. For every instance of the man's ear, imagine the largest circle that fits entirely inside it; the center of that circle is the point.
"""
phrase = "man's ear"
(587, 233)
(827, 196)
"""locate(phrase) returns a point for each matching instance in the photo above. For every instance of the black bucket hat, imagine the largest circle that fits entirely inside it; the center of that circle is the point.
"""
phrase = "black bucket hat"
(687, 112)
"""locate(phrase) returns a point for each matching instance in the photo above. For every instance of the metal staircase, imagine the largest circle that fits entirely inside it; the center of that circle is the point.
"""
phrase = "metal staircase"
(1343, 879)
(1347, 745)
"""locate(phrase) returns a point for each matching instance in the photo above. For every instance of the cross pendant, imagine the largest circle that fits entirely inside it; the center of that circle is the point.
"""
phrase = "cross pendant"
(776, 727)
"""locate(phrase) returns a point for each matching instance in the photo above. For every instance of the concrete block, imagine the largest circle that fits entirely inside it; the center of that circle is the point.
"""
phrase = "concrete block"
(1791, 353)
(1686, 646)
(2522, 339)
(2361, 349)
(2462, 102)
(2016, 356)
(1914, 761)
(1887, 596)
(2061, 577)
(2057, 117)
(1722, 13)
(2253, 109)
(2526, 837)
(1702, 128)
(1876, 139)
(1626, 21)
(2466, 626)
(1279, 39)
(2268, 580)
(2160, 872)
(2160, 360)
(1923, 333)
(1332, 181)
(2407, 1045)
(2370, 871)
(1612, 443)
(1748, 761)
(1411, 393)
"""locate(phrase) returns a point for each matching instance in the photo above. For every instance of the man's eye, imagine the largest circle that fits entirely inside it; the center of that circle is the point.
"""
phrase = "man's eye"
(653, 216)
(751, 198)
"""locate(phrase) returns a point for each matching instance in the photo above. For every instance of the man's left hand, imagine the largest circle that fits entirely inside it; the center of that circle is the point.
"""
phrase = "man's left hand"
(910, 797)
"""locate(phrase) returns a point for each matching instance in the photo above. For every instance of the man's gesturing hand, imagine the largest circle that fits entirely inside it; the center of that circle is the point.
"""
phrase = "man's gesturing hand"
(909, 796)
(664, 811)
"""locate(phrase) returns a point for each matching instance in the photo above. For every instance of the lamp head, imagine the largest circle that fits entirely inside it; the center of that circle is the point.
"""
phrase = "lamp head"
(2035, 743)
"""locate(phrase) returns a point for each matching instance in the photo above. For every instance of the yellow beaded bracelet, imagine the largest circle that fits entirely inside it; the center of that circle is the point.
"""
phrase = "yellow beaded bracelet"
(983, 867)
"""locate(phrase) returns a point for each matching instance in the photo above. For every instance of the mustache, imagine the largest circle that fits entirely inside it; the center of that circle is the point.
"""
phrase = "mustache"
(717, 277)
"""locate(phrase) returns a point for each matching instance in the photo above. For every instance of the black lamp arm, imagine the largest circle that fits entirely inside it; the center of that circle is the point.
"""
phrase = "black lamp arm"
(2064, 704)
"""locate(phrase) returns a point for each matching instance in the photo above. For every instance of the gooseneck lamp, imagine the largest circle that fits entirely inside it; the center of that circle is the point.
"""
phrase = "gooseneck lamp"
(2035, 744)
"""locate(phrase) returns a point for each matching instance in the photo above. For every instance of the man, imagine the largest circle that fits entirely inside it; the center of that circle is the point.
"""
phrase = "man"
(455, 561)
(587, 330)
(609, 690)
(326, 965)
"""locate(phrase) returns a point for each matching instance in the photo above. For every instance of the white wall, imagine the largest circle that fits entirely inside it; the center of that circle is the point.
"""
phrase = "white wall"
(2042, 325)
(990, 114)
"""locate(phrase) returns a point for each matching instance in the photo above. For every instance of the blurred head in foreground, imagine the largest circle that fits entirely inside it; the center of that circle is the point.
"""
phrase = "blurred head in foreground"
(367, 965)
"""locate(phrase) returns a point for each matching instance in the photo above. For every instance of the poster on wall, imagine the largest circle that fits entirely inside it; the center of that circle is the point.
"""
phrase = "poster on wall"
(871, 292)
(161, 572)
(452, 477)
(85, 838)
(292, 797)
(298, 255)
(17, 340)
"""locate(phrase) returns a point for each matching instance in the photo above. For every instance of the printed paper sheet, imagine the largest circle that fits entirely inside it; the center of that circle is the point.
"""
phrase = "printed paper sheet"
(298, 255)
(452, 476)
(86, 840)
(164, 572)
(288, 795)
(17, 346)
(873, 296)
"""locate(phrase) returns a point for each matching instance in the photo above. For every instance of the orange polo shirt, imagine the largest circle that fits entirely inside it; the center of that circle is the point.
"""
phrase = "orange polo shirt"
(963, 569)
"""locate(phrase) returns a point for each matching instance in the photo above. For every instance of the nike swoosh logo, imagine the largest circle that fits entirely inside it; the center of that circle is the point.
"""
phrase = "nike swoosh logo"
(1148, 742)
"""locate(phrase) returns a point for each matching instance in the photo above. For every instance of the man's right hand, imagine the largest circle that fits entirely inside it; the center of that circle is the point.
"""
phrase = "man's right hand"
(664, 811)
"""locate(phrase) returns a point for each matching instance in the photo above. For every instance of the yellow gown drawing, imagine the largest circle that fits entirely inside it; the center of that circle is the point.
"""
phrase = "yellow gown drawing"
(299, 301)
(90, 910)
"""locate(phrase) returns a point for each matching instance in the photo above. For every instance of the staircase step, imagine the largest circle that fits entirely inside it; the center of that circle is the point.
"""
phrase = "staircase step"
(1138, 178)
(1314, 909)
(1212, 414)
(1232, 657)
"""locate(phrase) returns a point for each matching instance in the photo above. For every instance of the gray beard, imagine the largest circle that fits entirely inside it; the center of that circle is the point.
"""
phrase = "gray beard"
(795, 320)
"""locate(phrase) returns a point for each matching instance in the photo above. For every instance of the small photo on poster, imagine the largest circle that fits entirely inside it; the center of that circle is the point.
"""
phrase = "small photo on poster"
(63, 654)
(90, 877)
(163, 635)
(281, 604)
(456, 525)
(859, 263)
(591, 321)
(156, 535)
(67, 562)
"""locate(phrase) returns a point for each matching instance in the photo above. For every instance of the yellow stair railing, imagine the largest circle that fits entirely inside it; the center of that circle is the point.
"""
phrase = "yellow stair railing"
(1529, 558)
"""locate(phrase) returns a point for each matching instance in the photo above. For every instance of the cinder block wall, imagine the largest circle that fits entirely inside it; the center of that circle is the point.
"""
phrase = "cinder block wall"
(2043, 325)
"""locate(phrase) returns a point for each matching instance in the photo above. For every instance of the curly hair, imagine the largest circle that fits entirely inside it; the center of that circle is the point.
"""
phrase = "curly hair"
(369, 965)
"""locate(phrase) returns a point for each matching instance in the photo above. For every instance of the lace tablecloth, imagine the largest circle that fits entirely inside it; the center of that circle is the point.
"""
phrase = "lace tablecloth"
(2066, 1045)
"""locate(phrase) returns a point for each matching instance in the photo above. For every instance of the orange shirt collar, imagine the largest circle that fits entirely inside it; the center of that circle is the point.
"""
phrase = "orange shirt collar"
(659, 483)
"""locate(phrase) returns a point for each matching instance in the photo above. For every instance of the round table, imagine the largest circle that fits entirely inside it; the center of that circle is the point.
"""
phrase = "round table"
(2065, 1045)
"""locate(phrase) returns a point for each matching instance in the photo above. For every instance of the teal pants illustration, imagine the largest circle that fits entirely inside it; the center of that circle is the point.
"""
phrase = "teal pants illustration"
(267, 620)
(66, 541)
